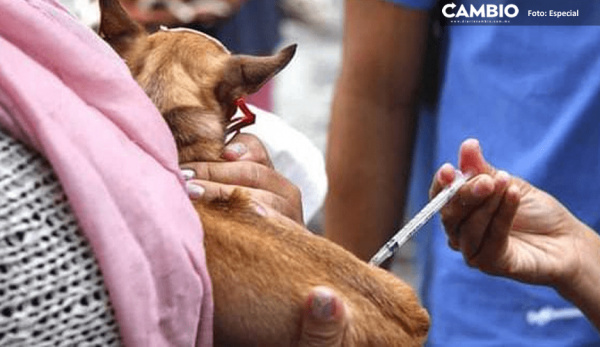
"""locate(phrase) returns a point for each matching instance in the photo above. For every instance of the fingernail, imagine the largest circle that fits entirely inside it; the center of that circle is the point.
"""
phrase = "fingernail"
(513, 193)
(502, 177)
(322, 305)
(439, 174)
(234, 151)
(188, 174)
(195, 191)
(260, 209)
(479, 190)
(472, 141)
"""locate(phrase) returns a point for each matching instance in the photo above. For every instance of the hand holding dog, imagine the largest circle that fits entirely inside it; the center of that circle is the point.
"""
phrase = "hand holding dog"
(248, 167)
(325, 319)
(504, 226)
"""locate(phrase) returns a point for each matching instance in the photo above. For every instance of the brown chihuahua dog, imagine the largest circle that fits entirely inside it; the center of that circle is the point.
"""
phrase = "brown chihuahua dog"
(262, 268)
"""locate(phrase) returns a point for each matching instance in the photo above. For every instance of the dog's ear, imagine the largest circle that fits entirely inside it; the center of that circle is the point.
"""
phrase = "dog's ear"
(245, 74)
(117, 28)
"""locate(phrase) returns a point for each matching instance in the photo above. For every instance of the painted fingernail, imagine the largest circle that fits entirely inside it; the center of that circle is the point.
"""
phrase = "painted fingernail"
(188, 174)
(234, 151)
(260, 209)
(322, 305)
(194, 190)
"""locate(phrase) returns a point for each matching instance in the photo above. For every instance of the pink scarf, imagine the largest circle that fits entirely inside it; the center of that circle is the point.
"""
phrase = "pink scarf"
(67, 94)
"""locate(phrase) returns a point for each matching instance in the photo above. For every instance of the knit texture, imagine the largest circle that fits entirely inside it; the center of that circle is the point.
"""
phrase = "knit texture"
(51, 289)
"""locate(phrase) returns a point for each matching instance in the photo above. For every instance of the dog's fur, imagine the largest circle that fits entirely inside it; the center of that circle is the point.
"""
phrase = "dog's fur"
(262, 269)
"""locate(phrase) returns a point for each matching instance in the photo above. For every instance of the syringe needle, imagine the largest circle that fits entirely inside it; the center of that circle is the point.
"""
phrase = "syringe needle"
(419, 220)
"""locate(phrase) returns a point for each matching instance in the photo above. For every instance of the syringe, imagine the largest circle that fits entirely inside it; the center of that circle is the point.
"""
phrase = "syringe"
(419, 220)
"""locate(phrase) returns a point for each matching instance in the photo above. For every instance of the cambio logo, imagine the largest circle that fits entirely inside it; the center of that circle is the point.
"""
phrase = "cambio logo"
(484, 11)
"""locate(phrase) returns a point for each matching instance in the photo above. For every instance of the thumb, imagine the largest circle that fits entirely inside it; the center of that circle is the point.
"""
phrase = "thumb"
(471, 160)
(325, 319)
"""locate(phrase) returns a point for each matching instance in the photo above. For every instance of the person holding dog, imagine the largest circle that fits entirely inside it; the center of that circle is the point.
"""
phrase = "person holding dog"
(529, 93)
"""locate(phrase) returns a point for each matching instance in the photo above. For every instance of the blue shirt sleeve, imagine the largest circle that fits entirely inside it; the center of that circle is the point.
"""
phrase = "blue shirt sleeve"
(415, 4)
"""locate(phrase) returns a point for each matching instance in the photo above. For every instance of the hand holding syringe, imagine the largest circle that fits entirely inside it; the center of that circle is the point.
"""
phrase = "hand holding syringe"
(419, 220)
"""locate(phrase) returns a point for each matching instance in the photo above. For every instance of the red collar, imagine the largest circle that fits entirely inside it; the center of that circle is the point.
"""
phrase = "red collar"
(236, 124)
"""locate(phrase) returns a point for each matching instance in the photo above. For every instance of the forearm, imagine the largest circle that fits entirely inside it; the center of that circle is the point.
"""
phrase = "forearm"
(582, 288)
(368, 166)
(372, 124)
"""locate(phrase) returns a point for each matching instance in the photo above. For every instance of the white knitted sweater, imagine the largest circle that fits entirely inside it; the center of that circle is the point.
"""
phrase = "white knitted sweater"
(51, 289)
